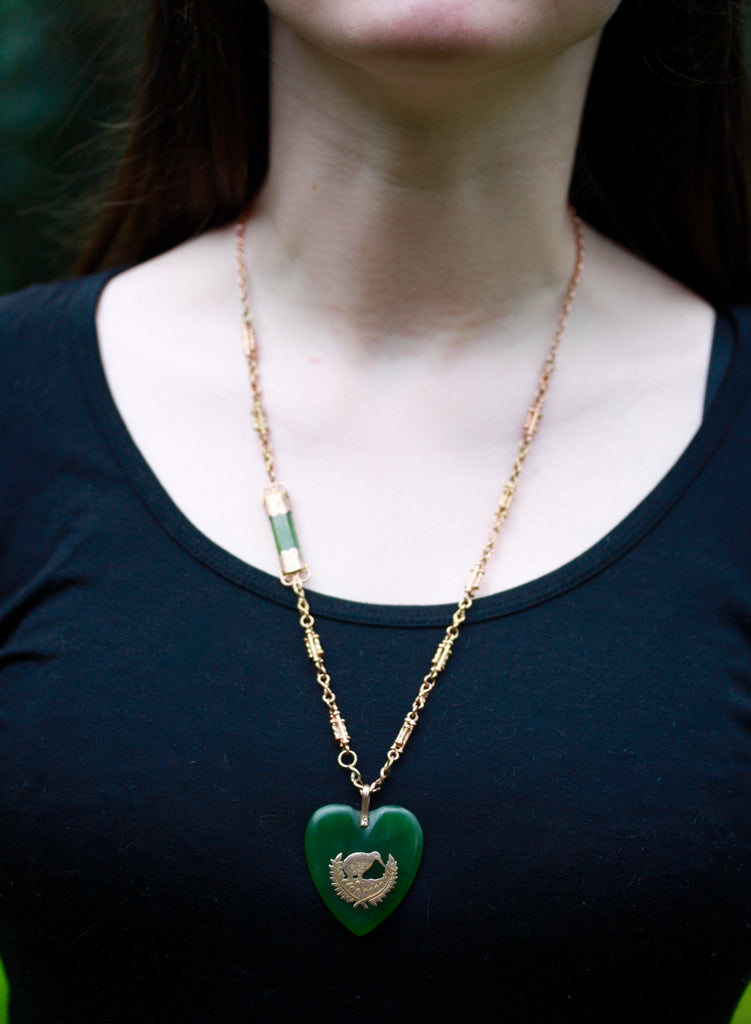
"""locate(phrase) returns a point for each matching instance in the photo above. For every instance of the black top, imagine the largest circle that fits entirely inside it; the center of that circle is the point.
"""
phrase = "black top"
(582, 774)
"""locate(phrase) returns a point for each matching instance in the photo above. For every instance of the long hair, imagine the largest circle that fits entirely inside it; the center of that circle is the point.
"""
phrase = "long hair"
(663, 164)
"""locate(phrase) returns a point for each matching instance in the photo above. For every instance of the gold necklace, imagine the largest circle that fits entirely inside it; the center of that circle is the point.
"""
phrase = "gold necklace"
(336, 834)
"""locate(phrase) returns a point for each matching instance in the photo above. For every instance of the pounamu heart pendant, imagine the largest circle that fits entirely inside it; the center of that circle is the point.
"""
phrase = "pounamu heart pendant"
(362, 874)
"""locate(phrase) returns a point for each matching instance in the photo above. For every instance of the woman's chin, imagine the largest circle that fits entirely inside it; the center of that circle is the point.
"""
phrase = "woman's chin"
(440, 30)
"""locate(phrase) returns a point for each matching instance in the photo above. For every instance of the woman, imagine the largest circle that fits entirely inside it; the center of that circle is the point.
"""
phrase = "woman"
(581, 771)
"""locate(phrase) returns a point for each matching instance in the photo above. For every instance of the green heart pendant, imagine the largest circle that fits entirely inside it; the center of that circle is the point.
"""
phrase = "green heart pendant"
(362, 874)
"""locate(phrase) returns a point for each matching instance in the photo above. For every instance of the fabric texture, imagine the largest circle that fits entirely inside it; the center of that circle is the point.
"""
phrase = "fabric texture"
(582, 775)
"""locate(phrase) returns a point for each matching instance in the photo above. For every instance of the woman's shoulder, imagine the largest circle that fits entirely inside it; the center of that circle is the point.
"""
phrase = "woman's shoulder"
(40, 308)
(39, 330)
(739, 317)
(43, 328)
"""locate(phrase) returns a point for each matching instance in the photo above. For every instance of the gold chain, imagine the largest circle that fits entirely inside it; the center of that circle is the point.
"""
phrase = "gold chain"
(295, 579)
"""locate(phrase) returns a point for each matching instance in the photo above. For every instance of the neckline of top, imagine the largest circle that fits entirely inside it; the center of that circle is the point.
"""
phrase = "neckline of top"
(718, 419)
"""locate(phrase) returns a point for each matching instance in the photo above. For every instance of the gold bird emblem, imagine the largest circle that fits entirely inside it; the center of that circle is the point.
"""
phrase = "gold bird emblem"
(350, 885)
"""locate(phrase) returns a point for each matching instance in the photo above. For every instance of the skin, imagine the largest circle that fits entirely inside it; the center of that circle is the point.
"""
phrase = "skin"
(408, 258)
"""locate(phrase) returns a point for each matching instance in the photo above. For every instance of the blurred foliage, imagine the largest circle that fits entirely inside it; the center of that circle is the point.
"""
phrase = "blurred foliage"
(66, 79)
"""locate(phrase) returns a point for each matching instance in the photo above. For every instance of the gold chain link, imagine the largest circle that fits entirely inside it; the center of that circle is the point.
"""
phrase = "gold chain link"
(347, 758)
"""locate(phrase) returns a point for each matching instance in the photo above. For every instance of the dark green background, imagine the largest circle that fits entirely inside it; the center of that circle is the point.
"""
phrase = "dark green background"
(66, 70)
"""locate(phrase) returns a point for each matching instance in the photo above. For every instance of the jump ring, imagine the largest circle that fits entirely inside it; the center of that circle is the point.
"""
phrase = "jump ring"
(347, 753)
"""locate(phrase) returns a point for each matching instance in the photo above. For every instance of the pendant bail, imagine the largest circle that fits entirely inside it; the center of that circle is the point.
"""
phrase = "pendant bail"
(365, 807)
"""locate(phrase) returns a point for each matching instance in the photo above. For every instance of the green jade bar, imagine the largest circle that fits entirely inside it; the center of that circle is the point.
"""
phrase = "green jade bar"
(284, 532)
(287, 543)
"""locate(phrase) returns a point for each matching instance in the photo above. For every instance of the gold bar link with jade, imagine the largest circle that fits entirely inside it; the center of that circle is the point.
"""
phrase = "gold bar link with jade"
(276, 503)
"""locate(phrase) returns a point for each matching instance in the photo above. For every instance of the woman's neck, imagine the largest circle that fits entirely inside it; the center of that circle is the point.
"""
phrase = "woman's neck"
(439, 210)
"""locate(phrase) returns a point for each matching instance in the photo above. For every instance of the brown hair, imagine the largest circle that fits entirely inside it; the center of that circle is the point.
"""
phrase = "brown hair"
(663, 166)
